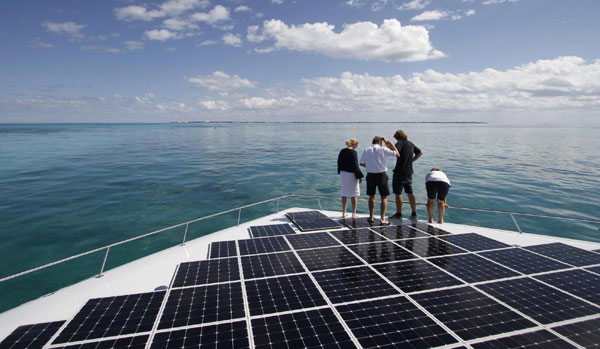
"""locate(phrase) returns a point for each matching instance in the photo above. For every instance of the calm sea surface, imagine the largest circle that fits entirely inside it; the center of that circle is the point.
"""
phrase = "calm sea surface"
(67, 189)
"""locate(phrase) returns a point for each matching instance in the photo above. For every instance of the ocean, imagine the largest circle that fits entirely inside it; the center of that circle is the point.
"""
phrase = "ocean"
(70, 188)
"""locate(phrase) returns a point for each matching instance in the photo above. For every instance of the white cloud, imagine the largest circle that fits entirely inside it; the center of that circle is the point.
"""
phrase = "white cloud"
(470, 12)
(491, 2)
(414, 5)
(221, 82)
(160, 34)
(38, 43)
(232, 40)
(133, 45)
(213, 105)
(147, 98)
(178, 24)
(433, 15)
(363, 40)
(71, 29)
(134, 12)
(217, 14)
(278, 2)
(242, 8)
(168, 8)
(207, 43)
(99, 48)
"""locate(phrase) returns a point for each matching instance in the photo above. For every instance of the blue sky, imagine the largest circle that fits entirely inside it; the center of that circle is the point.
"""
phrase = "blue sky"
(502, 61)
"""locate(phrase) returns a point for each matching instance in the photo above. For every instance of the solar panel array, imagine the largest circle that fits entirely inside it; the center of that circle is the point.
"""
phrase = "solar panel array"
(409, 285)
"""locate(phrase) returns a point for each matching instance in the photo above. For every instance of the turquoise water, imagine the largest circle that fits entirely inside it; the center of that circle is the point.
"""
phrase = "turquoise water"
(66, 189)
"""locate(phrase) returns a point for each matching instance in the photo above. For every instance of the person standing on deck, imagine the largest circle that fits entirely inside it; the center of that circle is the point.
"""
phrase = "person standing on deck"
(374, 160)
(350, 175)
(403, 172)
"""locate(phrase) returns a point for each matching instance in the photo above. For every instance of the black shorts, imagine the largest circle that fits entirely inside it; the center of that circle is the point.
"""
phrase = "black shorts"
(399, 182)
(437, 188)
(379, 181)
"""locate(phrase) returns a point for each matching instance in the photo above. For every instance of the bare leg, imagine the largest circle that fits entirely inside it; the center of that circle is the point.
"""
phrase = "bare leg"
(399, 203)
(371, 206)
(441, 211)
(354, 201)
(413, 202)
(383, 208)
(430, 204)
(344, 204)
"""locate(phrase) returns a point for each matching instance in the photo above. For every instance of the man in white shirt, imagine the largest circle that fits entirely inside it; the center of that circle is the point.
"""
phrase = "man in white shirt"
(374, 160)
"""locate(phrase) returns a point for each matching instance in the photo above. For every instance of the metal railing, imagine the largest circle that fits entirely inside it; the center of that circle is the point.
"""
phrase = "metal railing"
(277, 200)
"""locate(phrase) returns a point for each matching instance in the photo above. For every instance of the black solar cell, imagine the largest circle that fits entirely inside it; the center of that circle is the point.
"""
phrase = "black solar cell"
(430, 247)
(472, 268)
(137, 342)
(263, 245)
(31, 336)
(400, 232)
(263, 265)
(416, 275)
(585, 333)
(271, 230)
(530, 340)
(471, 314)
(305, 215)
(429, 229)
(393, 322)
(567, 254)
(328, 258)
(379, 252)
(474, 242)
(351, 284)
(524, 261)
(315, 328)
(357, 236)
(203, 304)
(538, 301)
(207, 272)
(275, 295)
(361, 222)
(594, 269)
(578, 282)
(222, 249)
(223, 335)
(316, 224)
(311, 240)
(113, 316)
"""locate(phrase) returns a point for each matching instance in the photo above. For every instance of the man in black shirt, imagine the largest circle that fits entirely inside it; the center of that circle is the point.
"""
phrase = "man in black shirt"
(403, 171)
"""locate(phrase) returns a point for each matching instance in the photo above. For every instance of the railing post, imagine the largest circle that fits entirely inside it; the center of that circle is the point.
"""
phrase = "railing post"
(319, 201)
(517, 224)
(185, 233)
(239, 216)
(277, 206)
(103, 263)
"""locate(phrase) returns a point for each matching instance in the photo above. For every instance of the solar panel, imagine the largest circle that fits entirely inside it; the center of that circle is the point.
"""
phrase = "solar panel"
(393, 322)
(538, 339)
(312, 240)
(585, 333)
(416, 275)
(271, 264)
(567, 254)
(380, 252)
(271, 230)
(263, 245)
(316, 224)
(471, 314)
(222, 335)
(31, 336)
(275, 295)
(305, 215)
(314, 328)
(594, 269)
(400, 232)
(578, 282)
(357, 236)
(207, 272)
(597, 251)
(222, 249)
(524, 261)
(203, 304)
(430, 247)
(328, 258)
(472, 268)
(430, 229)
(113, 316)
(474, 242)
(136, 342)
(351, 284)
(361, 222)
(538, 301)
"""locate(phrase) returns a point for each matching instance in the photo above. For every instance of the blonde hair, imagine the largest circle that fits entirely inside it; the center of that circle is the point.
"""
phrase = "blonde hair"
(352, 142)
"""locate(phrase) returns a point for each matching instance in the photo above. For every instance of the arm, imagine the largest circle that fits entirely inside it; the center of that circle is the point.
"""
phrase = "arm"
(339, 161)
(417, 156)
(391, 147)
(357, 171)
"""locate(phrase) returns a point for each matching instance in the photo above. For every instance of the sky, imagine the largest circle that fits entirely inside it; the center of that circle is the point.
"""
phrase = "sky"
(497, 61)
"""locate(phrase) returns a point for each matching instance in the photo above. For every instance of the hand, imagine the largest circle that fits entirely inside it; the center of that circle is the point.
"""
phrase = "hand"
(360, 180)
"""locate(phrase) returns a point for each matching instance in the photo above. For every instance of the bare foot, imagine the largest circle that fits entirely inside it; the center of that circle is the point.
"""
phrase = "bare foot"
(384, 222)
(441, 222)
(430, 220)
(354, 216)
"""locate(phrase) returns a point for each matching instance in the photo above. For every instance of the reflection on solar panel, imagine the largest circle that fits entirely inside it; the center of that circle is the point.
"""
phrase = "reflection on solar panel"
(357, 236)
(537, 339)
(304, 241)
(585, 333)
(393, 322)
(429, 229)
(578, 282)
(380, 252)
(305, 215)
(316, 224)
(351, 284)
(361, 222)
(594, 269)
(472, 268)
(567, 254)
(524, 261)
(225, 335)
(271, 230)
(400, 232)
(471, 314)
(137, 342)
(474, 242)
(328, 258)
(264, 265)
(275, 295)
(222, 249)
(31, 336)
(538, 301)
(416, 275)
(113, 316)
(203, 304)
(207, 272)
(263, 245)
(430, 247)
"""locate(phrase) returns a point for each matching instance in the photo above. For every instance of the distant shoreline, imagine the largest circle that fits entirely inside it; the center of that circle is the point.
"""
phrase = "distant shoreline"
(328, 122)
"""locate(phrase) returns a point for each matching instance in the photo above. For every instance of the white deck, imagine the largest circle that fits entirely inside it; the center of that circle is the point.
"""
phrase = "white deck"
(148, 273)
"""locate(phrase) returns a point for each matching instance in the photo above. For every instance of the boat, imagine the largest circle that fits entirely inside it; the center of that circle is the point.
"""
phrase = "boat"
(306, 277)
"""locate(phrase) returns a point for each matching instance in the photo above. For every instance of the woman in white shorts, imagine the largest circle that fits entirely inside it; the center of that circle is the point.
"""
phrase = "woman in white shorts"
(350, 175)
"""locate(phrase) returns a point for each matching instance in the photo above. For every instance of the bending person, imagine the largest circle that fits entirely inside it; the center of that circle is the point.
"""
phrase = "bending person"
(350, 175)
(438, 185)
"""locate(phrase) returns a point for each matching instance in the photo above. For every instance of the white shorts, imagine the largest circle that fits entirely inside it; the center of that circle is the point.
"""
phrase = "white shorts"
(349, 182)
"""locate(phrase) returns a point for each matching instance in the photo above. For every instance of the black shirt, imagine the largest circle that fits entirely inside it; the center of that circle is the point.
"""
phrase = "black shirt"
(348, 161)
(407, 152)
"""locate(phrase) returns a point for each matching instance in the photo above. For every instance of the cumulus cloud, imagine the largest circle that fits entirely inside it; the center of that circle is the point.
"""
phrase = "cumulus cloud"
(242, 8)
(232, 40)
(71, 29)
(134, 45)
(207, 43)
(160, 34)
(221, 82)
(168, 8)
(491, 2)
(414, 5)
(178, 24)
(99, 48)
(278, 2)
(38, 43)
(213, 105)
(217, 14)
(363, 40)
(433, 15)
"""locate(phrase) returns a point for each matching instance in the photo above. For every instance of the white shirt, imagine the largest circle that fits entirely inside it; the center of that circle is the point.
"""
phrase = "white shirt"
(436, 176)
(374, 158)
